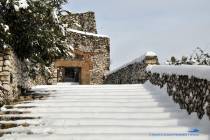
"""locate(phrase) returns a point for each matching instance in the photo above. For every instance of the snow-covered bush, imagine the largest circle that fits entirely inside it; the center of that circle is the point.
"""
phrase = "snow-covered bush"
(198, 57)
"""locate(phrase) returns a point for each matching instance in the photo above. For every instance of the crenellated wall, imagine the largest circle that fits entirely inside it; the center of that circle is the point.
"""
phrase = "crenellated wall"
(188, 86)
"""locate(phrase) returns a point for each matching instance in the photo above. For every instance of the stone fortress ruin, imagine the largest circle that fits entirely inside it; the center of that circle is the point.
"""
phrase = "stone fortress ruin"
(91, 51)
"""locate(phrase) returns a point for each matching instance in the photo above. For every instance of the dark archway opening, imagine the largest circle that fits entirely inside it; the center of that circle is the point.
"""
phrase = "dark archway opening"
(72, 74)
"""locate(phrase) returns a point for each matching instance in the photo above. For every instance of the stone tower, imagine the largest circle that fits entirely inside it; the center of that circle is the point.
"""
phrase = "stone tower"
(92, 51)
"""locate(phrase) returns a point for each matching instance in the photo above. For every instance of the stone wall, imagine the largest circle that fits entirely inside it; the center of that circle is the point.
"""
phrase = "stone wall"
(99, 46)
(191, 93)
(82, 35)
(81, 21)
(14, 77)
(132, 73)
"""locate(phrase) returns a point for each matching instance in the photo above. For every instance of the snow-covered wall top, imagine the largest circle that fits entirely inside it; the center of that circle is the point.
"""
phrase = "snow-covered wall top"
(137, 60)
(86, 33)
(198, 71)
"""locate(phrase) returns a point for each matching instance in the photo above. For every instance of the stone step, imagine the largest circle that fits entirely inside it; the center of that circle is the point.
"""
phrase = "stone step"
(107, 99)
(102, 129)
(115, 112)
(104, 137)
(96, 100)
(102, 92)
(100, 109)
(104, 122)
(70, 115)
(98, 104)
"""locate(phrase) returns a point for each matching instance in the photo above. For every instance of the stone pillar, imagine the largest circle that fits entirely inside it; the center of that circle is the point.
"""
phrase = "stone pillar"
(54, 75)
(151, 60)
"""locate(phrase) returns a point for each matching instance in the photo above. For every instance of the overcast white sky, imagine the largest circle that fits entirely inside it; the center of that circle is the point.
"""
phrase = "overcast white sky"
(167, 27)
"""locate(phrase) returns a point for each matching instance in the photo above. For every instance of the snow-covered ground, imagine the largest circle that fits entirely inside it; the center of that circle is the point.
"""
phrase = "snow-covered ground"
(101, 112)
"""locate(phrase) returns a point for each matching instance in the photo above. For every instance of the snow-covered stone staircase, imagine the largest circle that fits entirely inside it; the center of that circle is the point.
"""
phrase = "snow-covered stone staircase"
(106, 112)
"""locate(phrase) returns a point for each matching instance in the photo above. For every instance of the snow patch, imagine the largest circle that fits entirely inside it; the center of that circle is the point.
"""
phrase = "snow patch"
(21, 4)
(6, 27)
(199, 71)
(86, 33)
(150, 53)
(55, 16)
(5, 46)
(70, 47)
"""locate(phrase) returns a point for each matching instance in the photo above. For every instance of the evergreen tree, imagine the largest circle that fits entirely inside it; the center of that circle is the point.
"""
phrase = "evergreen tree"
(33, 30)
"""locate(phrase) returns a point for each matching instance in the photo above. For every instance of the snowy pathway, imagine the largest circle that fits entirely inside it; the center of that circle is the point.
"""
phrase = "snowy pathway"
(106, 112)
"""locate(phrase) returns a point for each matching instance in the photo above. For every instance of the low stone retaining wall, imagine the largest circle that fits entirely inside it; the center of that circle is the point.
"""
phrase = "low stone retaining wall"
(133, 72)
(189, 90)
(14, 77)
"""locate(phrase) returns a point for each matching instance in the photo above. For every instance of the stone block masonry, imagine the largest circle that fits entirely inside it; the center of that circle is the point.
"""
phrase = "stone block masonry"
(92, 50)
(99, 47)
(14, 77)
(8, 77)
(81, 21)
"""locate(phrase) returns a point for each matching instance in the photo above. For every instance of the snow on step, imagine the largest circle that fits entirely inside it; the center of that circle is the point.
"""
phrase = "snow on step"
(101, 112)
(103, 115)
(104, 122)
(103, 137)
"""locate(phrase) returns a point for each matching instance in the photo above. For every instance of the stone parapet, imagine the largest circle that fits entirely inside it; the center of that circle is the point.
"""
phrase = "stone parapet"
(191, 93)
(133, 72)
